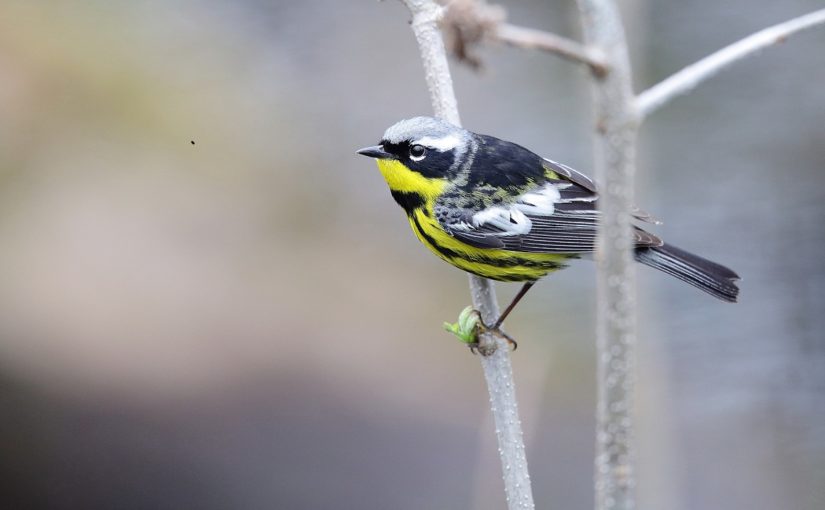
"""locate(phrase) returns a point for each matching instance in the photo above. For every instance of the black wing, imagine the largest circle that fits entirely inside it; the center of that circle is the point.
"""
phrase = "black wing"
(557, 216)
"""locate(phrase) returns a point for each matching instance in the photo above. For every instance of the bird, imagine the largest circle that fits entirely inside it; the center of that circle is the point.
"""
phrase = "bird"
(498, 210)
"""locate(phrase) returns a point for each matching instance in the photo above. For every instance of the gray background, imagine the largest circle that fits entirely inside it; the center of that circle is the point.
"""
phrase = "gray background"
(247, 322)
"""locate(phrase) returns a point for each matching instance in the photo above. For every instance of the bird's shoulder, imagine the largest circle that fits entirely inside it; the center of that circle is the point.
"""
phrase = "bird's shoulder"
(500, 175)
(498, 163)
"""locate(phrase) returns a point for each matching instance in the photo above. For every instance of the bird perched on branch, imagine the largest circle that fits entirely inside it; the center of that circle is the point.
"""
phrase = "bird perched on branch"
(497, 210)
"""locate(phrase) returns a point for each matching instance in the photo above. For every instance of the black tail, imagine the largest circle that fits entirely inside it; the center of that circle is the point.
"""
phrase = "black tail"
(713, 278)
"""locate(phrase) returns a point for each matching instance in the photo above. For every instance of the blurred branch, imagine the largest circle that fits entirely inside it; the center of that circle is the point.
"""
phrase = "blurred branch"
(495, 358)
(685, 80)
(546, 41)
(467, 23)
(616, 128)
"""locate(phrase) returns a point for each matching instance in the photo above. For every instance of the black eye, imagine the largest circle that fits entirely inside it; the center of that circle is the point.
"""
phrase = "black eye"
(417, 152)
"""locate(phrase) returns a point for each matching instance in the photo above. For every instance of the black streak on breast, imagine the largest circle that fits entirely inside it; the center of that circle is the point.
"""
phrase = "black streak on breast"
(409, 201)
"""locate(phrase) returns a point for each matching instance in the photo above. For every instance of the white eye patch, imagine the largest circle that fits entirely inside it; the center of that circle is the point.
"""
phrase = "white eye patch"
(443, 144)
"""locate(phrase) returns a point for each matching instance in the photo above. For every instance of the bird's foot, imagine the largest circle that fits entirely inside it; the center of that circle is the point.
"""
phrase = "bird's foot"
(470, 326)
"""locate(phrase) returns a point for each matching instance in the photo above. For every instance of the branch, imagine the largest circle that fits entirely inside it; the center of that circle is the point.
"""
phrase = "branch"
(685, 80)
(426, 15)
(568, 49)
(617, 125)
(468, 23)
(495, 359)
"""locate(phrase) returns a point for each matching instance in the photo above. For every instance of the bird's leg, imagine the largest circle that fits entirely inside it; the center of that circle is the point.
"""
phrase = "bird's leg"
(512, 304)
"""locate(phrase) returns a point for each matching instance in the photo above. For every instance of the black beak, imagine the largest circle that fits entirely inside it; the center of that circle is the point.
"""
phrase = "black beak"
(376, 152)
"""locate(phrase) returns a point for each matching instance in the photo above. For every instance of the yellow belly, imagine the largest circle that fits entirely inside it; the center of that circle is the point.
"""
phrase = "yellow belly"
(496, 264)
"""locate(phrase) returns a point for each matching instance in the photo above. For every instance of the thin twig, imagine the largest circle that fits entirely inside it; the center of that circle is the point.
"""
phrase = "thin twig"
(469, 23)
(685, 80)
(495, 359)
(617, 126)
(569, 49)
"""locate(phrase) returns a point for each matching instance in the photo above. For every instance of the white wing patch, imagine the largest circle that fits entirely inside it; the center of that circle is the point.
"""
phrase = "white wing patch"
(461, 226)
(443, 144)
(541, 202)
(511, 221)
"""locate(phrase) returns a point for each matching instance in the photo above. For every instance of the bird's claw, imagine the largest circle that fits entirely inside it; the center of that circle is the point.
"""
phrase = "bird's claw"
(496, 331)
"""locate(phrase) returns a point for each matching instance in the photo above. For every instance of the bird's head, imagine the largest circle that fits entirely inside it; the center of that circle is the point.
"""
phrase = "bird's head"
(418, 154)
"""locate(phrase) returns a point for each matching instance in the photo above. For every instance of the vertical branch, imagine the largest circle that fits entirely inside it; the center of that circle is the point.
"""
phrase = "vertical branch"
(426, 15)
(495, 358)
(616, 126)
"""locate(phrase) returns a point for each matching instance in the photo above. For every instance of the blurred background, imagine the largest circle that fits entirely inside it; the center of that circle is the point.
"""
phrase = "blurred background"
(207, 300)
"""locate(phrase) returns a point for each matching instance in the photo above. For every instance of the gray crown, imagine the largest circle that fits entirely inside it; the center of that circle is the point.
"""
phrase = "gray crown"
(419, 127)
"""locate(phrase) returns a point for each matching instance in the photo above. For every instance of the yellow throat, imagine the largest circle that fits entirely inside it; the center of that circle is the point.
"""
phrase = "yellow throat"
(400, 178)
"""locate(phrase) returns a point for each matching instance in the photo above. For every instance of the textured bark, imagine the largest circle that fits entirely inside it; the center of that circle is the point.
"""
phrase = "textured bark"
(495, 358)
(616, 128)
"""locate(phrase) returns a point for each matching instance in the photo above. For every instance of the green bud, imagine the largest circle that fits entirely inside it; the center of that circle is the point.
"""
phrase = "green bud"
(466, 329)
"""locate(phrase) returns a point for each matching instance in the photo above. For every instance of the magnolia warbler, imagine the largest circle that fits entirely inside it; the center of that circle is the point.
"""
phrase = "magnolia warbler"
(497, 210)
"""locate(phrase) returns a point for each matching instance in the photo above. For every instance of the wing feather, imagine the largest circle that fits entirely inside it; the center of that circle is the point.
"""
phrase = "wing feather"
(558, 216)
